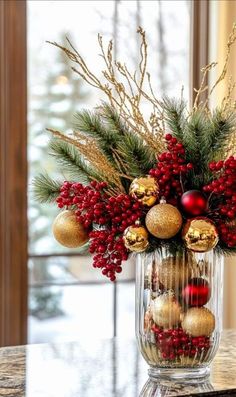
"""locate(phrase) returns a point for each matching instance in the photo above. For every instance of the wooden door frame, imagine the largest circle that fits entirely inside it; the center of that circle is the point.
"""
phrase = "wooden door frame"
(13, 173)
(199, 44)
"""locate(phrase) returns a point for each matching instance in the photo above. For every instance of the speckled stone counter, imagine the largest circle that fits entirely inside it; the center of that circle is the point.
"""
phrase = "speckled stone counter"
(108, 368)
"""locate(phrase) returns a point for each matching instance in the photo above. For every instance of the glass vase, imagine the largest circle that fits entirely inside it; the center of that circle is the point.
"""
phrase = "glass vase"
(179, 312)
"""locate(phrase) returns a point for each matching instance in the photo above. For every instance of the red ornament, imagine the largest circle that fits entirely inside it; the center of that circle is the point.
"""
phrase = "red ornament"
(194, 202)
(197, 292)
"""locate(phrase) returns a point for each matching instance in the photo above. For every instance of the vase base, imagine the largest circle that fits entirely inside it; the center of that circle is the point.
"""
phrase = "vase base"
(183, 375)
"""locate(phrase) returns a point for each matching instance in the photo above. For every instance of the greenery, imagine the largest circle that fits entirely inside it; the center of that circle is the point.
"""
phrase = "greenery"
(71, 162)
(45, 188)
(204, 136)
(123, 148)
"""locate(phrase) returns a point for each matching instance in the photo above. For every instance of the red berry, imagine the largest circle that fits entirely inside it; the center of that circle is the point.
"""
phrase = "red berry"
(189, 166)
(168, 137)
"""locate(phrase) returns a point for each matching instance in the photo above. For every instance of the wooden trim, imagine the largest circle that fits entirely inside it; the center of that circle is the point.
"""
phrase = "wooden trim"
(13, 173)
(199, 45)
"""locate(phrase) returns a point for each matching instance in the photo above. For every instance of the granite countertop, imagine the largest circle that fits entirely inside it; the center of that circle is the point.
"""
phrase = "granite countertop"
(108, 368)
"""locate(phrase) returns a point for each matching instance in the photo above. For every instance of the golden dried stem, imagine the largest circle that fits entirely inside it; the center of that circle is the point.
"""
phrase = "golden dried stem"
(88, 148)
(203, 86)
(232, 38)
(123, 90)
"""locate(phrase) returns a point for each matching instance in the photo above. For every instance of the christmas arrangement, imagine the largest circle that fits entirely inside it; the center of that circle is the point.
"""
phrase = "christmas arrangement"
(148, 183)
(138, 185)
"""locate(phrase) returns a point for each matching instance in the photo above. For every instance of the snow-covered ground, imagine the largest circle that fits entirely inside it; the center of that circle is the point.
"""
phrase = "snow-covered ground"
(88, 312)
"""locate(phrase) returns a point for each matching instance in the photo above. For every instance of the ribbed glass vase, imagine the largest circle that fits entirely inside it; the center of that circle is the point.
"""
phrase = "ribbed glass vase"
(179, 312)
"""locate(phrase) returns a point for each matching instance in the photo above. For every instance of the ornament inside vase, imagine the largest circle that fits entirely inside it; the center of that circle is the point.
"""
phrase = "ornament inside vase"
(177, 334)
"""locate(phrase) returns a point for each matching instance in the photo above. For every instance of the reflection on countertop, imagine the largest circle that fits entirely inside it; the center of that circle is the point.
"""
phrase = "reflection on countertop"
(107, 368)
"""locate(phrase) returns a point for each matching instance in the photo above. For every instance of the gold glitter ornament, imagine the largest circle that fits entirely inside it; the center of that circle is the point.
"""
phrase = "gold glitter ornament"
(174, 272)
(68, 231)
(136, 238)
(145, 190)
(163, 220)
(200, 234)
(166, 311)
(198, 321)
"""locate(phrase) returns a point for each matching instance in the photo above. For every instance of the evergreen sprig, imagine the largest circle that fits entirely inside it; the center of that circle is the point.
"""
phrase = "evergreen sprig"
(205, 137)
(139, 159)
(123, 147)
(216, 140)
(92, 125)
(112, 120)
(45, 189)
(71, 161)
(175, 119)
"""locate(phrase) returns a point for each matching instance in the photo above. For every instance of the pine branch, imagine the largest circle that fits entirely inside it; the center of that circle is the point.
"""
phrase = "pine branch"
(124, 148)
(45, 189)
(174, 246)
(112, 120)
(91, 124)
(195, 129)
(174, 116)
(138, 158)
(72, 161)
(197, 181)
(219, 133)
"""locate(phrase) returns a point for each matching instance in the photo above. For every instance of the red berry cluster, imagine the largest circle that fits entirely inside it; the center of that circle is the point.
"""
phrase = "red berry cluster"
(93, 206)
(89, 200)
(171, 165)
(124, 211)
(174, 343)
(227, 234)
(110, 252)
(224, 185)
(108, 244)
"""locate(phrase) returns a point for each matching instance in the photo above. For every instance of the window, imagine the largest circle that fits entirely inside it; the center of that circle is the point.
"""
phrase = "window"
(57, 305)
(53, 96)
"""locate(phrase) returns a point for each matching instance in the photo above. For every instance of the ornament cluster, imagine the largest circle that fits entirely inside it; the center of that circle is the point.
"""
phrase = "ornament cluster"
(177, 321)
(158, 209)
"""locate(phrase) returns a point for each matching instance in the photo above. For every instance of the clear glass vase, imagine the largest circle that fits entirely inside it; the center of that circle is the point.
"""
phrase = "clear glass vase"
(179, 312)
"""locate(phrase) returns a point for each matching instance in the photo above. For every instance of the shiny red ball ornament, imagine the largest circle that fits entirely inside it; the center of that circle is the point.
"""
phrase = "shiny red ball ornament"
(194, 202)
(197, 293)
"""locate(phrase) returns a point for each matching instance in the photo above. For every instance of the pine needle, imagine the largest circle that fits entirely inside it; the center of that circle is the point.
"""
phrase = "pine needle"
(45, 189)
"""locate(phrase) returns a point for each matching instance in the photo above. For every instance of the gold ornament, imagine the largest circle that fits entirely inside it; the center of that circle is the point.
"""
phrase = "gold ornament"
(174, 272)
(136, 238)
(163, 220)
(200, 235)
(145, 190)
(166, 311)
(68, 231)
(199, 321)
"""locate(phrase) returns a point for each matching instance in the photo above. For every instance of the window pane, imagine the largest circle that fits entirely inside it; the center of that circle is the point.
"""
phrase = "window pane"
(70, 313)
(126, 310)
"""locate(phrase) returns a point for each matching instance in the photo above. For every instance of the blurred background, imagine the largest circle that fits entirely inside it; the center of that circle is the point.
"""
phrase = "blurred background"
(47, 290)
